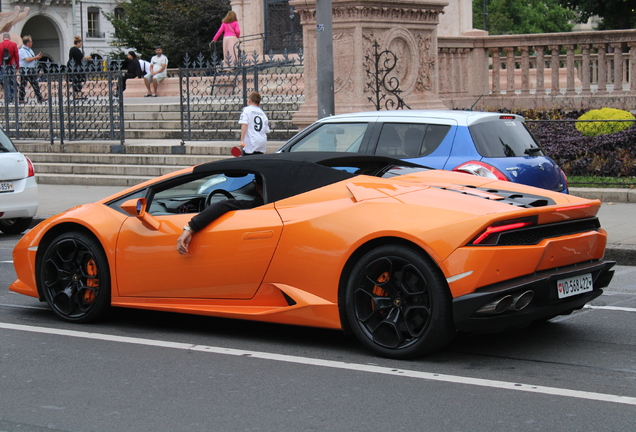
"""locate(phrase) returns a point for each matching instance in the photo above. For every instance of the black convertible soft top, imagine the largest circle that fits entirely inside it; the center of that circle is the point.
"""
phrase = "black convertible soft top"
(288, 174)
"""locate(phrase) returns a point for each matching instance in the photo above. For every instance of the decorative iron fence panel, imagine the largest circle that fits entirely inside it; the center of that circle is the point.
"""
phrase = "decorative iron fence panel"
(79, 103)
(283, 31)
(214, 93)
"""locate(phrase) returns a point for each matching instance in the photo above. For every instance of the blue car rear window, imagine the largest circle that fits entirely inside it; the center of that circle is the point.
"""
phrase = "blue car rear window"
(504, 138)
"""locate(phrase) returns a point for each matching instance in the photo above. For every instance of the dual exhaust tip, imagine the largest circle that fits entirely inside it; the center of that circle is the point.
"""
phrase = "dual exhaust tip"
(515, 302)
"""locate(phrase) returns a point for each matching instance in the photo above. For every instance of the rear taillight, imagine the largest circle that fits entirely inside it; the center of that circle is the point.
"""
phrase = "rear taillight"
(565, 178)
(31, 169)
(490, 235)
(481, 169)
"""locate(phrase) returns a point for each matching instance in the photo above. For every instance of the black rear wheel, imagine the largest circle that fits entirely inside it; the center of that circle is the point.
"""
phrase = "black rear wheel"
(398, 303)
(74, 278)
(15, 226)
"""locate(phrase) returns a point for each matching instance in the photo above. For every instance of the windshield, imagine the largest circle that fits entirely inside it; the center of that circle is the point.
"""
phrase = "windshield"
(5, 143)
(504, 138)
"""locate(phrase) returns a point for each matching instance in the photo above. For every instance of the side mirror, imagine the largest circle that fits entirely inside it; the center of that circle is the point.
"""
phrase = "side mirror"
(137, 207)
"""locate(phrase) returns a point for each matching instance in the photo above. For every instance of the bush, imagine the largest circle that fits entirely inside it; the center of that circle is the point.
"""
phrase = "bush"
(593, 129)
(579, 155)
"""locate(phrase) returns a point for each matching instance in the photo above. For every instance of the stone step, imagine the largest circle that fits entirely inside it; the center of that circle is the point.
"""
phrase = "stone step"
(105, 169)
(90, 180)
(120, 159)
(201, 134)
(104, 148)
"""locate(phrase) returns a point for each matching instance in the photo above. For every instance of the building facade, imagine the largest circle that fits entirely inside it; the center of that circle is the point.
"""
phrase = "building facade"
(54, 24)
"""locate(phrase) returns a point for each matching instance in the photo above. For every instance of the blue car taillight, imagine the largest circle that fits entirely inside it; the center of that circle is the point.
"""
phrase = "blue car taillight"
(481, 169)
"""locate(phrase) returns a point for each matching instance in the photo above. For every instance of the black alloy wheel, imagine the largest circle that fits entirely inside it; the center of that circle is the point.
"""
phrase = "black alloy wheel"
(75, 278)
(398, 303)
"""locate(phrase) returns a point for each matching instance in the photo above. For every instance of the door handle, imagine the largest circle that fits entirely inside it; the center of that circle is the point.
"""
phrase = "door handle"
(258, 235)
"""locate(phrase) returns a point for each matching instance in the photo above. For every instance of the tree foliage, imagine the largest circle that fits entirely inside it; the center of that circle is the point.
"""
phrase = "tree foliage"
(615, 14)
(523, 16)
(186, 26)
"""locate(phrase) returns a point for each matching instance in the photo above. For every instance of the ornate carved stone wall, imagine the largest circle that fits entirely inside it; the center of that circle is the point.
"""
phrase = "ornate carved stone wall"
(408, 28)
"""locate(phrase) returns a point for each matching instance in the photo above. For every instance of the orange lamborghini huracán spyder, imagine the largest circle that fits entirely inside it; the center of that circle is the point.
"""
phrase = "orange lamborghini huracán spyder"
(400, 255)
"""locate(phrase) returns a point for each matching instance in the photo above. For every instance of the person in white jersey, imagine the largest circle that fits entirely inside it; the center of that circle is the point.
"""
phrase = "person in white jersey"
(254, 126)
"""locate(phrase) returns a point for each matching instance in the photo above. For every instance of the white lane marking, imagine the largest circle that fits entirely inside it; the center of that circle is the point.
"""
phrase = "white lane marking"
(331, 364)
(7, 262)
(615, 308)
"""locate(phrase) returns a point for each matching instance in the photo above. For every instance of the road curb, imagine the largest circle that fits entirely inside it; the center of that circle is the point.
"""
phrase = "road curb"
(607, 195)
(622, 254)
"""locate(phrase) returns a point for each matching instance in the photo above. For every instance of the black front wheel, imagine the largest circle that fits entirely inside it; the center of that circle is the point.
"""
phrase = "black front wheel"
(398, 303)
(15, 226)
(74, 278)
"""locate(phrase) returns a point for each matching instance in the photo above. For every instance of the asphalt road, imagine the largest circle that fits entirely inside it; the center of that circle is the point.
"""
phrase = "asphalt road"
(154, 371)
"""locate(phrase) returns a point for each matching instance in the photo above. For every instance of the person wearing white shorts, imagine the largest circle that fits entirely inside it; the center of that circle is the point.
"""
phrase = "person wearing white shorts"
(158, 71)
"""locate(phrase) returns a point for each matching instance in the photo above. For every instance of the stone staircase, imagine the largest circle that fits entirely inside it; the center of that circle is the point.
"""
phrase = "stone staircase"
(153, 143)
(219, 121)
(106, 164)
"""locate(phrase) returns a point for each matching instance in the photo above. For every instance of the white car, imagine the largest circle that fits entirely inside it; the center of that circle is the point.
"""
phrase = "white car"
(18, 189)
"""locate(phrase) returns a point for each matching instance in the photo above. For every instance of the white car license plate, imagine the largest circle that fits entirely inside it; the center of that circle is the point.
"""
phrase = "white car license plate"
(6, 187)
(575, 285)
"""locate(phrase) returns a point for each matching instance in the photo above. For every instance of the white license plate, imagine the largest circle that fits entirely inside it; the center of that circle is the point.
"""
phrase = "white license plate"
(575, 285)
(6, 187)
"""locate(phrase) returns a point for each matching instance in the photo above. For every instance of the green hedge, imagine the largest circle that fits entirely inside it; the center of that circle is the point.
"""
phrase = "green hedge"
(593, 129)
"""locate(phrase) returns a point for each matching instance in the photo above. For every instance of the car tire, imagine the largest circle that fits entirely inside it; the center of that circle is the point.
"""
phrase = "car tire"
(398, 303)
(15, 226)
(74, 278)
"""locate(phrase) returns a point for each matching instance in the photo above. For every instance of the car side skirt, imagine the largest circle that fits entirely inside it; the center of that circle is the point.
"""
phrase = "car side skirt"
(276, 303)
(545, 302)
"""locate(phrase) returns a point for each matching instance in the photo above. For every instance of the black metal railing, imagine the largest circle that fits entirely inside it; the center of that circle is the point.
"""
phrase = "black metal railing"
(214, 92)
(383, 84)
(62, 102)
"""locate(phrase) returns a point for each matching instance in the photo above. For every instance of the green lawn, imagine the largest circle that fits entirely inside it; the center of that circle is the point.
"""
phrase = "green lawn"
(602, 182)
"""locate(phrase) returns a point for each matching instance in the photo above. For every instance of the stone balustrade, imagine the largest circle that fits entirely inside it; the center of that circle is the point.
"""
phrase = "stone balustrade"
(577, 70)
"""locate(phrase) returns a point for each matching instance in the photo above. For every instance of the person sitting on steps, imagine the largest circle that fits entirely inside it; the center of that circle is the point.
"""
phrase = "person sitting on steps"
(158, 71)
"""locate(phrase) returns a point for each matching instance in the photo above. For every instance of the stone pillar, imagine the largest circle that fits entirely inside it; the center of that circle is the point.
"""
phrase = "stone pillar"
(632, 67)
(602, 69)
(251, 18)
(618, 66)
(408, 28)
(555, 65)
(585, 66)
(540, 66)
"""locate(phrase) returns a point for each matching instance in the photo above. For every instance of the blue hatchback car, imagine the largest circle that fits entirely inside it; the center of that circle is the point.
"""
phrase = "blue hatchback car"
(493, 145)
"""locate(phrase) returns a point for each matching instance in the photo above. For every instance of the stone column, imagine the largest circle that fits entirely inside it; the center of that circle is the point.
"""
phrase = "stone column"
(540, 66)
(632, 67)
(408, 28)
(585, 66)
(510, 70)
(525, 70)
(569, 64)
(602, 69)
(555, 65)
(251, 18)
(496, 71)
(618, 66)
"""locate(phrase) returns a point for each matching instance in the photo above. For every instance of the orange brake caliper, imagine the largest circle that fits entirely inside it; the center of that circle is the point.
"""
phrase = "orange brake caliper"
(91, 270)
(378, 290)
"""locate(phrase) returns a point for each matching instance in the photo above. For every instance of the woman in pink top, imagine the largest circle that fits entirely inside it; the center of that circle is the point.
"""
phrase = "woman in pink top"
(231, 32)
